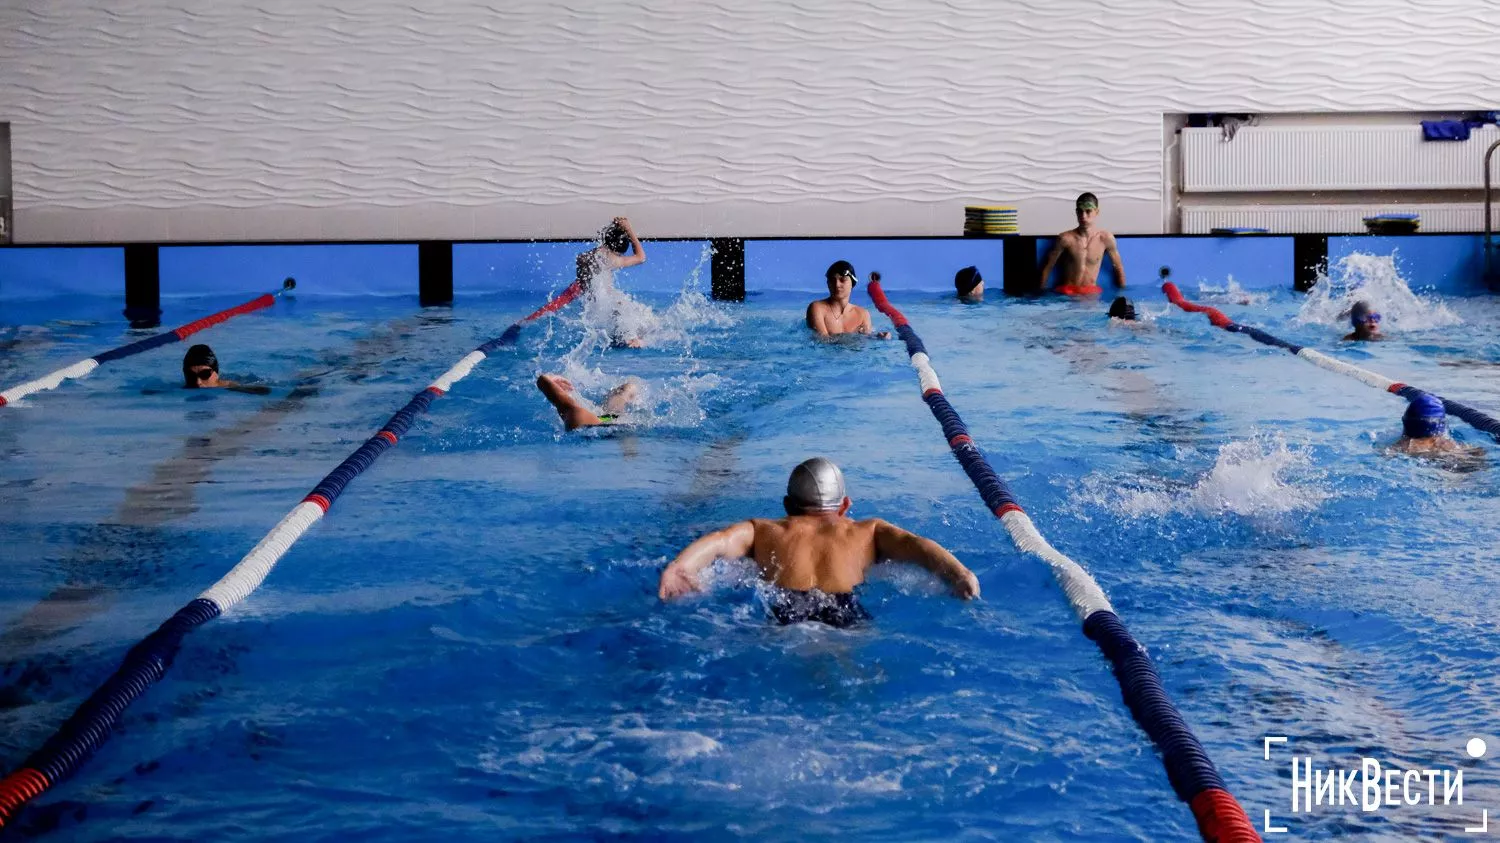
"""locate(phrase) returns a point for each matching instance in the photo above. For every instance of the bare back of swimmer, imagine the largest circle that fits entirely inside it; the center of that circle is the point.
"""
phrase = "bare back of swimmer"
(817, 554)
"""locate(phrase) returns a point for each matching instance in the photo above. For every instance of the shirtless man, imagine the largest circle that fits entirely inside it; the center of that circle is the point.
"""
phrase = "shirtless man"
(816, 555)
(1085, 248)
(1424, 430)
(574, 413)
(836, 314)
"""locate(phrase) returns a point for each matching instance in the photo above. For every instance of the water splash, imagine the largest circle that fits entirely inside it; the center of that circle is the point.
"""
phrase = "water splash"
(1260, 476)
(1377, 280)
(610, 318)
(1230, 293)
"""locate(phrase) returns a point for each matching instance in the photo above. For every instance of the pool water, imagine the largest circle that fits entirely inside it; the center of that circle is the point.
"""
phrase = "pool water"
(470, 645)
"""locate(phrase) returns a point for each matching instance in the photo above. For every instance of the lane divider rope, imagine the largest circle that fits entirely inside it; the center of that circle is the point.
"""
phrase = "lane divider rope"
(1477, 419)
(84, 367)
(1193, 776)
(148, 661)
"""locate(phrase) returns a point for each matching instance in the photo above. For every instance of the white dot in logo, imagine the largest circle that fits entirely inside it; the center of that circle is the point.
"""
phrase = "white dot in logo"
(1476, 747)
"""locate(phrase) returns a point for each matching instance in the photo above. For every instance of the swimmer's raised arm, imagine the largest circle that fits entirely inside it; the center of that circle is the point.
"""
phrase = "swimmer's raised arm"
(637, 254)
(681, 577)
(898, 545)
(1111, 249)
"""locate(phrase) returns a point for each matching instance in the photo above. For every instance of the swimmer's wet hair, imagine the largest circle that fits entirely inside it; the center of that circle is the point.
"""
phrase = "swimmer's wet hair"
(615, 238)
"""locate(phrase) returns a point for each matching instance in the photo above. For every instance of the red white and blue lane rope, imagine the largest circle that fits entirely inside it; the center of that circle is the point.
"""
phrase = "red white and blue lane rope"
(1474, 417)
(1193, 776)
(148, 661)
(84, 367)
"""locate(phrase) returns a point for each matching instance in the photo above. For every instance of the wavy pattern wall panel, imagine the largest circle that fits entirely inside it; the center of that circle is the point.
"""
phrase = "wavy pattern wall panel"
(282, 117)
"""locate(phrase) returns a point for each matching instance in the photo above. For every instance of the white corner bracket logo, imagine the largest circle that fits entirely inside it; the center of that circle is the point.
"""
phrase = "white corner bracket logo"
(1371, 786)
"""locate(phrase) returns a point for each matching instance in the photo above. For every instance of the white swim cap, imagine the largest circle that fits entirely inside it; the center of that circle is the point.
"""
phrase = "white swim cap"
(816, 485)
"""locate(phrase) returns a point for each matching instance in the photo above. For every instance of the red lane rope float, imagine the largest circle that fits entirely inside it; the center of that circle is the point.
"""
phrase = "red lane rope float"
(1474, 417)
(145, 663)
(1193, 776)
(84, 367)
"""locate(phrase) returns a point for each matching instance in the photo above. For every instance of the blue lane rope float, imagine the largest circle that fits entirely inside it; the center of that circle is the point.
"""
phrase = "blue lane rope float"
(84, 367)
(1477, 419)
(145, 663)
(1192, 774)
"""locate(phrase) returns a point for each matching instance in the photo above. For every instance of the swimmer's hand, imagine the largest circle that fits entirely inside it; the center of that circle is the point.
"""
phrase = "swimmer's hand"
(675, 582)
(967, 586)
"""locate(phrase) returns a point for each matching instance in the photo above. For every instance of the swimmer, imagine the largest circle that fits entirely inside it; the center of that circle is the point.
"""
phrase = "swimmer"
(1122, 309)
(1366, 323)
(1085, 248)
(969, 284)
(200, 370)
(609, 255)
(575, 414)
(814, 557)
(1424, 430)
(836, 314)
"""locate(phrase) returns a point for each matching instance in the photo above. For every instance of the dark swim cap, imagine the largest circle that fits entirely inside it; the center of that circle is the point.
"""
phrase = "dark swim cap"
(838, 268)
(1424, 417)
(615, 238)
(1360, 313)
(200, 355)
(967, 279)
(1121, 308)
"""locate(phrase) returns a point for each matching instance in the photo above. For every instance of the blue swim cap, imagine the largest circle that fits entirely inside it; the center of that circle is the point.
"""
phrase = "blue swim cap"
(1424, 417)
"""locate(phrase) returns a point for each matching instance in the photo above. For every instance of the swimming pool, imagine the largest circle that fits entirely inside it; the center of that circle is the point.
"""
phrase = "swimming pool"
(471, 644)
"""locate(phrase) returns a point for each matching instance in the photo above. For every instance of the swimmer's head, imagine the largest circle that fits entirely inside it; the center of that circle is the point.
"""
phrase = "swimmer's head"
(968, 282)
(199, 365)
(1086, 207)
(838, 270)
(1424, 417)
(1121, 308)
(615, 238)
(1364, 315)
(815, 486)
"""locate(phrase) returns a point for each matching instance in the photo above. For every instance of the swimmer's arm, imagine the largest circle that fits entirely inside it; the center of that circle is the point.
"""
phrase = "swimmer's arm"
(815, 319)
(1052, 255)
(681, 577)
(896, 544)
(637, 254)
(1111, 249)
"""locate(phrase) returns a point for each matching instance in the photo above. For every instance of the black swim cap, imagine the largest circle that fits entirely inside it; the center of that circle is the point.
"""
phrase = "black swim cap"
(615, 238)
(838, 268)
(1121, 308)
(967, 279)
(200, 355)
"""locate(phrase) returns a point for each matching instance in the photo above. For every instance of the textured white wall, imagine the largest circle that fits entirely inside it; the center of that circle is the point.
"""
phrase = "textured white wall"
(377, 118)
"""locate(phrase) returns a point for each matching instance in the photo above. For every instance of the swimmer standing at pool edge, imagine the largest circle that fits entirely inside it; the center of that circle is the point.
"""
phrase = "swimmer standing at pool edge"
(816, 555)
(1085, 248)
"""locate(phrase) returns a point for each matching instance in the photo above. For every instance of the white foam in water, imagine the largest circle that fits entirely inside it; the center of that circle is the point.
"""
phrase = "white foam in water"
(1230, 293)
(609, 317)
(1377, 280)
(1259, 476)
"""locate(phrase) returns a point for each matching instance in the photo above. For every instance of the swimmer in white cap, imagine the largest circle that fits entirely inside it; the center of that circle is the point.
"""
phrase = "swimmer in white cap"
(817, 554)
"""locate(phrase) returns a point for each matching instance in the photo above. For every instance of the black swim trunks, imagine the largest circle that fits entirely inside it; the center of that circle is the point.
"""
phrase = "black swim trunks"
(839, 610)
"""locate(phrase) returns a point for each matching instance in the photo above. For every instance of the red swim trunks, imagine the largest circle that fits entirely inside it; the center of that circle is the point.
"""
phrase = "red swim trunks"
(1079, 289)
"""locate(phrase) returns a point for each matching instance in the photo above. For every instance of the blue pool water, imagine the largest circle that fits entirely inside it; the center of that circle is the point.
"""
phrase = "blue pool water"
(470, 645)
